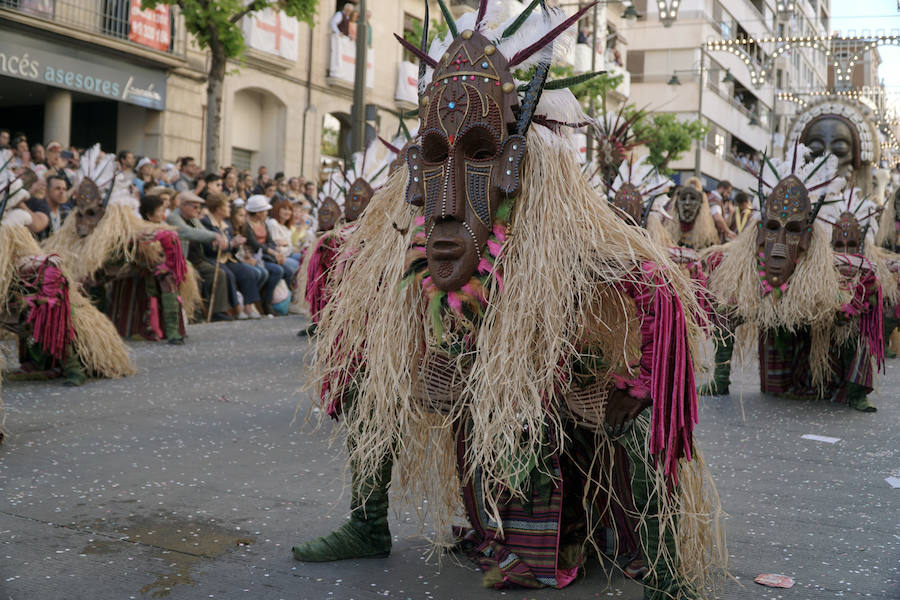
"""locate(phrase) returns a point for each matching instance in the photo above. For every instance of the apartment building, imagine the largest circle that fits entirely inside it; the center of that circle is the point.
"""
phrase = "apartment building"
(676, 67)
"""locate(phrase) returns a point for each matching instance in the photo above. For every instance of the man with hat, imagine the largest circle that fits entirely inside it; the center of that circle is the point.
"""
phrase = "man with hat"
(186, 219)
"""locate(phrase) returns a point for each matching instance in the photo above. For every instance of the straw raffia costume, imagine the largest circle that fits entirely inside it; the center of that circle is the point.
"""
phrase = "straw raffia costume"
(107, 245)
(818, 324)
(519, 341)
(59, 331)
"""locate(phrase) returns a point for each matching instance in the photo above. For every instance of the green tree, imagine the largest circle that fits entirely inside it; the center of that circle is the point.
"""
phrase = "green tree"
(667, 138)
(413, 35)
(216, 25)
(596, 87)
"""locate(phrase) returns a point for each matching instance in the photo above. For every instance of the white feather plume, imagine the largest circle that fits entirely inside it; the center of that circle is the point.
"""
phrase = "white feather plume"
(97, 166)
(807, 170)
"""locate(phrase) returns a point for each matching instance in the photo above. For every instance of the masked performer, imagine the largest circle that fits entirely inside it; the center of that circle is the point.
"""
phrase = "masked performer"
(104, 241)
(60, 333)
(520, 340)
(782, 282)
(693, 225)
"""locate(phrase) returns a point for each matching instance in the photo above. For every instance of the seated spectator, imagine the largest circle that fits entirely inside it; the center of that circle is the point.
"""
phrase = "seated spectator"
(167, 195)
(143, 178)
(269, 190)
(229, 183)
(57, 199)
(303, 234)
(243, 285)
(237, 222)
(18, 211)
(37, 201)
(153, 208)
(213, 184)
(261, 245)
(310, 193)
(193, 236)
(279, 226)
(21, 159)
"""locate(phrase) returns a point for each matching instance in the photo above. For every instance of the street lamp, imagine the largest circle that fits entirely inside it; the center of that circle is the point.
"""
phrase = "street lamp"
(675, 81)
(631, 14)
(729, 78)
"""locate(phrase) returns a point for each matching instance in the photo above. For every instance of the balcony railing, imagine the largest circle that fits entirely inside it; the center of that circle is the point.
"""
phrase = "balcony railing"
(109, 18)
(342, 61)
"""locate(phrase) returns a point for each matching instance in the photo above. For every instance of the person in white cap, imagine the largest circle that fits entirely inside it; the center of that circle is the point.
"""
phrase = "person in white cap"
(260, 243)
(143, 178)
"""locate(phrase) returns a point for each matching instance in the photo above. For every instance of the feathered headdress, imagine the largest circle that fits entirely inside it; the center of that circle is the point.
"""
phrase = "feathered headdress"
(529, 40)
(615, 141)
(818, 179)
(635, 187)
(96, 175)
(852, 215)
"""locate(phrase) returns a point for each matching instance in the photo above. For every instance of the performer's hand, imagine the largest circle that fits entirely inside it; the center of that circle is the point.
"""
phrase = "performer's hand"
(621, 408)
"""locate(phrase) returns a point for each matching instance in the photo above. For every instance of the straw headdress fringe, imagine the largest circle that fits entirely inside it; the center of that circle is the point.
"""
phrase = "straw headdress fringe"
(113, 237)
(189, 292)
(658, 231)
(528, 331)
(16, 242)
(882, 259)
(811, 298)
(702, 235)
(97, 342)
(887, 229)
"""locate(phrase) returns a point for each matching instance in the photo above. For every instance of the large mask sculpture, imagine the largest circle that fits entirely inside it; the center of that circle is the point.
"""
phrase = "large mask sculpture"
(836, 135)
(633, 189)
(329, 214)
(467, 157)
(358, 197)
(688, 203)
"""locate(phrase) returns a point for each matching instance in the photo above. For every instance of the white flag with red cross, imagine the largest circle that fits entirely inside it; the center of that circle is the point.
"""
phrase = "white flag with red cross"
(272, 31)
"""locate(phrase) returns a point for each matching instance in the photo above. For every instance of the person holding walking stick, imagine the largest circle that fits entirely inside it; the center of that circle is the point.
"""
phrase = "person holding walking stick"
(186, 219)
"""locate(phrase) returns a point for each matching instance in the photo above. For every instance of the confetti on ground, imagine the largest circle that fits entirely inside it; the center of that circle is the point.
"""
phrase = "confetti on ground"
(773, 580)
(894, 482)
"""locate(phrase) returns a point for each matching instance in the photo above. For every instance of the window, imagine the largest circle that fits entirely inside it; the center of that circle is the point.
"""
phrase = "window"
(412, 32)
(241, 159)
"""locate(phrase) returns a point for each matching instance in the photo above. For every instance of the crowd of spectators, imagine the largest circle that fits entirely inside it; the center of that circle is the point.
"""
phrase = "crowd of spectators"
(255, 227)
(750, 161)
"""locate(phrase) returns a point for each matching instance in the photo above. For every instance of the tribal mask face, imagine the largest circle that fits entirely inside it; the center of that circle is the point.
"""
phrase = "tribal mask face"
(89, 207)
(329, 213)
(846, 235)
(357, 199)
(628, 199)
(467, 158)
(688, 204)
(784, 232)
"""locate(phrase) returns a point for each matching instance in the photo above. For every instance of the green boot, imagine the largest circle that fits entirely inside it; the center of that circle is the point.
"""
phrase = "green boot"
(73, 370)
(366, 534)
(721, 379)
(171, 317)
(858, 399)
(658, 549)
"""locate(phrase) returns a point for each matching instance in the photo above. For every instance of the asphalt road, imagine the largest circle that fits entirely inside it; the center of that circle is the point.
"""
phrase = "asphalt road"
(189, 480)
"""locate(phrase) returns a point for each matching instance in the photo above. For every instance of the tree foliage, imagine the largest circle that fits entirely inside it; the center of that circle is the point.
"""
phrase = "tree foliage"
(413, 35)
(596, 87)
(666, 137)
(218, 22)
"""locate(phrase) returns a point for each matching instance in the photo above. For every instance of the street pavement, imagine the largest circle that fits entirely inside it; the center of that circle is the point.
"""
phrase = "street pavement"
(193, 478)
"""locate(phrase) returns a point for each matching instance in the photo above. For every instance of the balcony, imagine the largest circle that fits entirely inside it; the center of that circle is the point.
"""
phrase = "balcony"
(342, 63)
(407, 93)
(160, 30)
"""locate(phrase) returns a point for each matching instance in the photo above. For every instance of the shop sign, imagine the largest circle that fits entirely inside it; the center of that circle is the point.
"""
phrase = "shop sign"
(81, 70)
(150, 27)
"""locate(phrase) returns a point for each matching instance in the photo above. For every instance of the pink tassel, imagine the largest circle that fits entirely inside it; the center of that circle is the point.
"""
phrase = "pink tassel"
(666, 368)
(154, 323)
(321, 261)
(49, 311)
(454, 302)
(171, 246)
